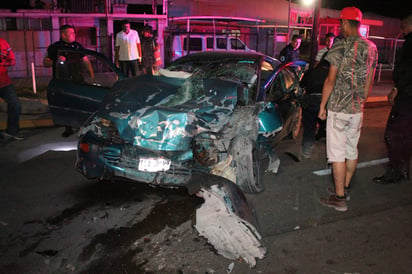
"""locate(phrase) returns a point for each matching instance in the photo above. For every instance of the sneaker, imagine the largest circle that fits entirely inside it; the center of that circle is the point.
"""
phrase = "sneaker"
(387, 179)
(331, 191)
(16, 137)
(335, 202)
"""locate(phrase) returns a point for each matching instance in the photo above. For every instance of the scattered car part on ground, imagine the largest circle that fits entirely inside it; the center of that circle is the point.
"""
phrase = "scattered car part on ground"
(226, 221)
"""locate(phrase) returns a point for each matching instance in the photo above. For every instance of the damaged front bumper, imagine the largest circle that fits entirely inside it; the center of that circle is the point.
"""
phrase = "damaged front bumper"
(104, 162)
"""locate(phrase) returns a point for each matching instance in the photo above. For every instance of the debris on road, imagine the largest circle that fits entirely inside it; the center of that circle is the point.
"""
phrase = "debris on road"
(232, 236)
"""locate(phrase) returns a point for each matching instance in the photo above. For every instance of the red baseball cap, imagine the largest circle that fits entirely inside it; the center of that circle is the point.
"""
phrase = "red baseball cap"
(351, 13)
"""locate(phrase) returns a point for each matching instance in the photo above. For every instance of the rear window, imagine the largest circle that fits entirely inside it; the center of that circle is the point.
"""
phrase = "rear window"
(221, 43)
(195, 44)
(209, 43)
(237, 44)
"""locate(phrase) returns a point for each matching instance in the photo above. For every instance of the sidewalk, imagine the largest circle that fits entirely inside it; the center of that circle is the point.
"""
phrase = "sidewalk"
(35, 110)
(36, 113)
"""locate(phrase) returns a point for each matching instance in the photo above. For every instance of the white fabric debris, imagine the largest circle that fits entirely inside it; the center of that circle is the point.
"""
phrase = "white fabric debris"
(273, 165)
(224, 169)
(174, 74)
(230, 267)
(230, 235)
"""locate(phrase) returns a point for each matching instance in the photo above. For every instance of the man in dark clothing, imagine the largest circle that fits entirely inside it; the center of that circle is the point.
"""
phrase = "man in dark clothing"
(398, 133)
(148, 48)
(312, 82)
(320, 58)
(67, 65)
(290, 53)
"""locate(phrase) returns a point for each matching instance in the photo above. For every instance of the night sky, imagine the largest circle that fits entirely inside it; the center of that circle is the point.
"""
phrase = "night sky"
(389, 8)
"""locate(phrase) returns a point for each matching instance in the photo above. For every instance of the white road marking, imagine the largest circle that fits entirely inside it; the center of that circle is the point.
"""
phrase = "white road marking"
(36, 151)
(324, 172)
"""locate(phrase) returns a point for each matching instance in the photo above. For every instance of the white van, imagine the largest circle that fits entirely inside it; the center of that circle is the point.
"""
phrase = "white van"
(201, 42)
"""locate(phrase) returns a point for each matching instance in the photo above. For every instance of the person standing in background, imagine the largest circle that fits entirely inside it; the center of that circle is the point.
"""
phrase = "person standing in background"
(157, 54)
(329, 39)
(291, 53)
(348, 84)
(70, 64)
(320, 56)
(128, 52)
(148, 49)
(398, 133)
(8, 93)
(312, 82)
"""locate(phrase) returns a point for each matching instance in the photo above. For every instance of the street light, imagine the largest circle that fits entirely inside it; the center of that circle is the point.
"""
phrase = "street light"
(305, 3)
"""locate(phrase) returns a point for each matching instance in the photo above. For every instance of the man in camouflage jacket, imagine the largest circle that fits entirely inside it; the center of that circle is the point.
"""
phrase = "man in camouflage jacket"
(352, 67)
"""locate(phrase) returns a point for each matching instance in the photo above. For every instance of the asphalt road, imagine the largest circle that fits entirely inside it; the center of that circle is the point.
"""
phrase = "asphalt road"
(52, 220)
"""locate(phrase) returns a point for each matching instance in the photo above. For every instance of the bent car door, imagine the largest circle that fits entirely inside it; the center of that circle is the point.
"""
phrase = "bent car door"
(79, 85)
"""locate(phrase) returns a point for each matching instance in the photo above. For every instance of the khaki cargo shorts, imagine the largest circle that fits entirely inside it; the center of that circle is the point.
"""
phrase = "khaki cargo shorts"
(342, 136)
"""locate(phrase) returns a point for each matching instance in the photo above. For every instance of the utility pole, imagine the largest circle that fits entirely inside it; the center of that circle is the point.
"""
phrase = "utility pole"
(287, 36)
(315, 32)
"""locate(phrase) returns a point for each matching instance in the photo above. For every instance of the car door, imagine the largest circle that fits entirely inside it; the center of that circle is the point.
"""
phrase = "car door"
(79, 85)
(284, 93)
(270, 120)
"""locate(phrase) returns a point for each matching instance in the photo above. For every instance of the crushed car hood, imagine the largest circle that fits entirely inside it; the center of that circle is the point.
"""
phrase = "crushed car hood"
(164, 113)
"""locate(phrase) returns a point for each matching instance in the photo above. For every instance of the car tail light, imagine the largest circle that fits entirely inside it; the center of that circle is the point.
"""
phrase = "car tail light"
(84, 147)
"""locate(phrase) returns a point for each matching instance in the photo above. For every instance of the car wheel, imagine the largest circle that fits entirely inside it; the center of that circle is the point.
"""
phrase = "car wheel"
(246, 157)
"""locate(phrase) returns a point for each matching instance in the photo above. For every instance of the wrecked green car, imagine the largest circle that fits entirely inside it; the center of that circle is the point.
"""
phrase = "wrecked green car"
(209, 122)
(212, 112)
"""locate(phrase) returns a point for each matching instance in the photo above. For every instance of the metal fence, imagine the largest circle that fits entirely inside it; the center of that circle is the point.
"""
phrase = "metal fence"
(30, 48)
(387, 50)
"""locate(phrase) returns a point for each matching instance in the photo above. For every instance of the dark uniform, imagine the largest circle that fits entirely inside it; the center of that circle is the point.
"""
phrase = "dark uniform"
(71, 69)
(398, 133)
(288, 54)
(148, 48)
(312, 82)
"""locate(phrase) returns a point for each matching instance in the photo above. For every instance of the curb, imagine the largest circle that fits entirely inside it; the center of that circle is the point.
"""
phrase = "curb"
(36, 123)
(31, 123)
(35, 113)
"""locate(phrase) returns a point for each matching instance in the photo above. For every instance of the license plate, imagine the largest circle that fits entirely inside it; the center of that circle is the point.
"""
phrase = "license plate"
(154, 164)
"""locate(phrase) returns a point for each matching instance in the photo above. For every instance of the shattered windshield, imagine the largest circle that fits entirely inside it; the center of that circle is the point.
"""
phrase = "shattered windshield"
(238, 71)
(243, 72)
(230, 69)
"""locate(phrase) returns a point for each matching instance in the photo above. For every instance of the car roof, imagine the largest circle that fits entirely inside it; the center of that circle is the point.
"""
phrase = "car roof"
(219, 55)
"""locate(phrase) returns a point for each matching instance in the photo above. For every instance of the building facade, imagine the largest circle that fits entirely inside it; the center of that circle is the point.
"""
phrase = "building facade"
(264, 25)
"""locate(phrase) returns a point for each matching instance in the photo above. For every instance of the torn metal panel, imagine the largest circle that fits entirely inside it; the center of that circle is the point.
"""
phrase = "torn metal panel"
(270, 121)
(232, 236)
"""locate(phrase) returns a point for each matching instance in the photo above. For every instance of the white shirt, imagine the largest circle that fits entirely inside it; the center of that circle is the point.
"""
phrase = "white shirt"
(128, 45)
